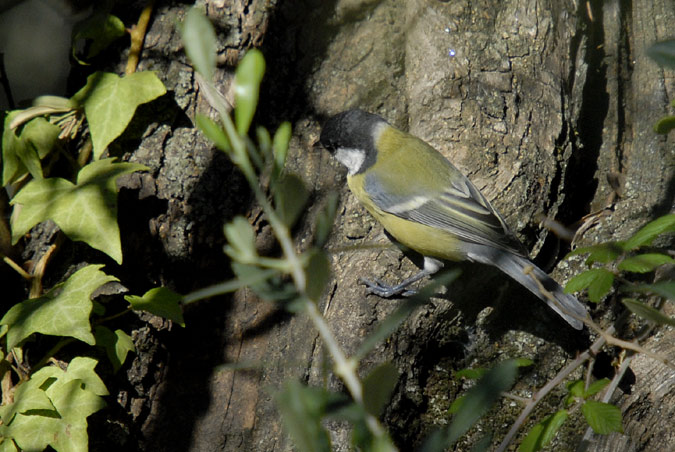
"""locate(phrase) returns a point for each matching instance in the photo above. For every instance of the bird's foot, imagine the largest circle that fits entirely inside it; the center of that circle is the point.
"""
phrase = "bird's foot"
(384, 290)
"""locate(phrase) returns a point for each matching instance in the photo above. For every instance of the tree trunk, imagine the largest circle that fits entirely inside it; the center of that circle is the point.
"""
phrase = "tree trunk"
(544, 104)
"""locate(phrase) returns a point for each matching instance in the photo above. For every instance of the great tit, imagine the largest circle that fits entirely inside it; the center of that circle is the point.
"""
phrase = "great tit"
(428, 205)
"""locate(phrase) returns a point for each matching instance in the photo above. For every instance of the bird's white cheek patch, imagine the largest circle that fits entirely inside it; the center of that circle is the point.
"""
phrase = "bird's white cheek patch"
(351, 158)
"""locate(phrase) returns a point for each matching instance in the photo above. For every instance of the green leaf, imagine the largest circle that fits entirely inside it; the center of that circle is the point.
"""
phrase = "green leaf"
(456, 405)
(477, 401)
(301, 411)
(647, 312)
(318, 274)
(325, 220)
(159, 301)
(378, 387)
(470, 374)
(63, 311)
(28, 397)
(213, 132)
(8, 445)
(598, 281)
(602, 252)
(282, 137)
(596, 387)
(85, 212)
(643, 263)
(22, 153)
(116, 344)
(602, 417)
(110, 102)
(268, 288)
(665, 289)
(290, 197)
(247, 78)
(542, 433)
(73, 394)
(199, 40)
(577, 391)
(665, 125)
(101, 29)
(662, 225)
(663, 53)
(241, 240)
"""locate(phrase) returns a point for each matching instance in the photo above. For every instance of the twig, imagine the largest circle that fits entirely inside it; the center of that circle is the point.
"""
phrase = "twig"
(548, 387)
(137, 37)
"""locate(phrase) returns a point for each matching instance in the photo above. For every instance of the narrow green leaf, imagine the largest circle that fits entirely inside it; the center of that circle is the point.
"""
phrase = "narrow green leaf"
(662, 225)
(247, 78)
(318, 274)
(301, 411)
(85, 212)
(199, 39)
(272, 288)
(101, 29)
(665, 289)
(117, 345)
(598, 281)
(282, 137)
(602, 252)
(602, 417)
(470, 374)
(213, 132)
(325, 219)
(265, 143)
(63, 311)
(523, 362)
(647, 312)
(241, 240)
(378, 387)
(665, 125)
(480, 398)
(543, 432)
(663, 53)
(159, 301)
(290, 197)
(596, 387)
(110, 102)
(456, 405)
(643, 263)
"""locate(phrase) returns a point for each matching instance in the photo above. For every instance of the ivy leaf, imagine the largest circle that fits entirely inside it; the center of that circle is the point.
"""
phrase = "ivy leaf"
(28, 397)
(602, 417)
(662, 225)
(647, 312)
(598, 281)
(643, 263)
(247, 78)
(86, 211)
(110, 102)
(116, 344)
(159, 301)
(101, 30)
(63, 311)
(64, 427)
(22, 153)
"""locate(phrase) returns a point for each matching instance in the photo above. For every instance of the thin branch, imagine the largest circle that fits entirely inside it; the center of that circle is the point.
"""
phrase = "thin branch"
(137, 37)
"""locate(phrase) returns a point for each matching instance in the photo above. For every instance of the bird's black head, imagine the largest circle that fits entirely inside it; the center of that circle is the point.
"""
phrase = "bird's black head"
(351, 129)
(351, 136)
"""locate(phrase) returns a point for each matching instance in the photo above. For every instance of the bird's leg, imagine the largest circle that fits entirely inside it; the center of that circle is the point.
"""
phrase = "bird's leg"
(384, 290)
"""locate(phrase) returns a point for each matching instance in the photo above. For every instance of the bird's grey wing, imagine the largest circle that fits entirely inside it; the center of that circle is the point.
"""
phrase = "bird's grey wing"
(459, 209)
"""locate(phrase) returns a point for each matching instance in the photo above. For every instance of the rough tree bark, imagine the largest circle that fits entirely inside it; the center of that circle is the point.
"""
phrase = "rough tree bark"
(544, 104)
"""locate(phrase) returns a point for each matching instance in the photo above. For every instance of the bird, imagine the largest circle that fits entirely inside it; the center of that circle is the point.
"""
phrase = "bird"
(425, 203)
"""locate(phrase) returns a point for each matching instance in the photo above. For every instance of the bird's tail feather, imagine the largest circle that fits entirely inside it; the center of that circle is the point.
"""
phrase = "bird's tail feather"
(566, 305)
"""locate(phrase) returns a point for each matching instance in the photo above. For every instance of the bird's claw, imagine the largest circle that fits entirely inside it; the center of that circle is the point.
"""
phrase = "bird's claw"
(384, 290)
